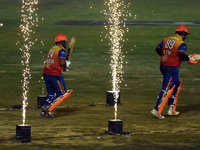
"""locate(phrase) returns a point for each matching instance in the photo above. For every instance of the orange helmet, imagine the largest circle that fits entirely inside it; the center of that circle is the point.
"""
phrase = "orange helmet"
(60, 37)
(182, 28)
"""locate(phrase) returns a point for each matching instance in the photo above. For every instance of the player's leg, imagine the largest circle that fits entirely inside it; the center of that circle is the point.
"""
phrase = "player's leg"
(175, 102)
(51, 94)
(167, 80)
(55, 87)
(165, 99)
(59, 100)
(62, 81)
(160, 106)
(60, 89)
(172, 102)
(63, 94)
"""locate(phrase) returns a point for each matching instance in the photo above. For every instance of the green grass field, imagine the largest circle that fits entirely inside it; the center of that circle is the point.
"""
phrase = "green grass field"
(76, 124)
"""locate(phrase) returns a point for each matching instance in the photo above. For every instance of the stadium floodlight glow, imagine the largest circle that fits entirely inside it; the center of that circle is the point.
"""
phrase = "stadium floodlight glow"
(29, 19)
(116, 10)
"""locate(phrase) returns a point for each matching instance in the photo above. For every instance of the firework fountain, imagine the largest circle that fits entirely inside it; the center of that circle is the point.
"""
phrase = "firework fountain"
(29, 19)
(116, 10)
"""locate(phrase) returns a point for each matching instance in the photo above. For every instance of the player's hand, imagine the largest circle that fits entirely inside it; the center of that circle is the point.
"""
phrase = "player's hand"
(192, 60)
(66, 67)
(68, 63)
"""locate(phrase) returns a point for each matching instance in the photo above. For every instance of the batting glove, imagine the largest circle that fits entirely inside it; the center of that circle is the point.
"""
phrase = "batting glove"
(68, 63)
(192, 60)
(66, 67)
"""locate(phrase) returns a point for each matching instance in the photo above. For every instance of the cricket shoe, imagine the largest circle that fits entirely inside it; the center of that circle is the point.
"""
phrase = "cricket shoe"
(170, 113)
(44, 115)
(155, 113)
(69, 90)
(48, 112)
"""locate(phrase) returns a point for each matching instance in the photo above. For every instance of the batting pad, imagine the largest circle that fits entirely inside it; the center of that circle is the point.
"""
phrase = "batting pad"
(162, 105)
(175, 102)
(59, 101)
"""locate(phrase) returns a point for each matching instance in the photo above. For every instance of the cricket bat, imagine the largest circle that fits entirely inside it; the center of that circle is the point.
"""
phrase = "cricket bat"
(69, 51)
(70, 48)
(197, 57)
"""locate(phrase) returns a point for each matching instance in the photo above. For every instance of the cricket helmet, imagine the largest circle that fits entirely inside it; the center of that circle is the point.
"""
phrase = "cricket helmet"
(60, 37)
(182, 28)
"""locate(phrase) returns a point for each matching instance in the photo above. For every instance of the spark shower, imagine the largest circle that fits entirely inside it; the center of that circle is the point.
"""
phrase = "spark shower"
(29, 20)
(116, 10)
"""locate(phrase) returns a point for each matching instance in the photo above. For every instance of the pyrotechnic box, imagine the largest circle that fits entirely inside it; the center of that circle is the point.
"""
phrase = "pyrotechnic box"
(40, 100)
(115, 126)
(110, 98)
(23, 133)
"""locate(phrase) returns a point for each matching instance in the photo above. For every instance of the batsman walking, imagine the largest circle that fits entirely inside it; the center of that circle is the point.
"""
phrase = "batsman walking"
(52, 74)
(172, 51)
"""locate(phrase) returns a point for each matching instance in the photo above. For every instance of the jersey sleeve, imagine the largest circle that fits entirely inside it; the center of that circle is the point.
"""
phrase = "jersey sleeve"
(161, 44)
(62, 53)
(182, 48)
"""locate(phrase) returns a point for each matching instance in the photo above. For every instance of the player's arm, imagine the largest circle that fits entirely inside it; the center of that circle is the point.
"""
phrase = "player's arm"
(159, 49)
(183, 57)
(61, 55)
(62, 62)
(181, 52)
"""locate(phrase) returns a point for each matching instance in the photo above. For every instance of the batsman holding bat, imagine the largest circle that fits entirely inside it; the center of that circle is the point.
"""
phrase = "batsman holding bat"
(172, 51)
(52, 73)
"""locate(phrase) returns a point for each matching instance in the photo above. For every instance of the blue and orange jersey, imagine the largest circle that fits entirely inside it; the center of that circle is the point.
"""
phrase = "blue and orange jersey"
(52, 63)
(171, 47)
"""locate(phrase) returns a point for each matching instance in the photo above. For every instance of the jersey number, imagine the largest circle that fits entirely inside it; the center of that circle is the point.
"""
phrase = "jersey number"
(51, 53)
(170, 44)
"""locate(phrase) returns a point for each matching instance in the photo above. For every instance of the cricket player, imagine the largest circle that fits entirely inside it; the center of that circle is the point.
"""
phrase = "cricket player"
(52, 73)
(172, 51)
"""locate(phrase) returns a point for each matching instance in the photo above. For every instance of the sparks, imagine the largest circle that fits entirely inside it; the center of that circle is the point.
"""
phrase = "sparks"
(116, 10)
(29, 19)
